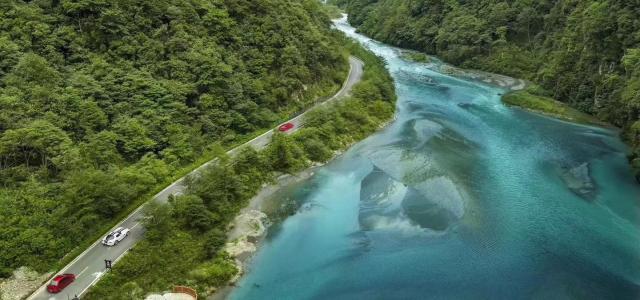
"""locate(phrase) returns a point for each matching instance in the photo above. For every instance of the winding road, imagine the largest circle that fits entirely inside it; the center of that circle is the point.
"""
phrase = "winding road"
(89, 266)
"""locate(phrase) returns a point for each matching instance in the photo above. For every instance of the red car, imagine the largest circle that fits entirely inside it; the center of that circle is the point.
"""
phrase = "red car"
(285, 127)
(60, 282)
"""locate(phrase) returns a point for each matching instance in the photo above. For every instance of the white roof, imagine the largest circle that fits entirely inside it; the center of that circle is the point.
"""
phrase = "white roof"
(170, 296)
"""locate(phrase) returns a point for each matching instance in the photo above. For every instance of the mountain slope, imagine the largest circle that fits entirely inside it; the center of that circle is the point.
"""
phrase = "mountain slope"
(101, 102)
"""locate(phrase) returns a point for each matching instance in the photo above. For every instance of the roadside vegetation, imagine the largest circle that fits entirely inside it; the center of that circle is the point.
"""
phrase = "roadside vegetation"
(583, 53)
(103, 103)
(184, 237)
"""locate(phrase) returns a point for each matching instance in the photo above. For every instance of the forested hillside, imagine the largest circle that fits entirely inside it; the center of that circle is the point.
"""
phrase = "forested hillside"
(187, 236)
(582, 52)
(103, 101)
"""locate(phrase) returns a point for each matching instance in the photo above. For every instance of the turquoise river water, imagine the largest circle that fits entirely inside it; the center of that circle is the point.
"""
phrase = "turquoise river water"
(460, 198)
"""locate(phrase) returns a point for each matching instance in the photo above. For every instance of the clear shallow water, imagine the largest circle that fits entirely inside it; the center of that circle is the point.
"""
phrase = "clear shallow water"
(460, 198)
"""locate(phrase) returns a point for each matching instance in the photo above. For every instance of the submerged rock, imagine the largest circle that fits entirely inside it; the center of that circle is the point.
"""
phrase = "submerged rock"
(430, 213)
(578, 180)
(403, 165)
(380, 197)
(386, 203)
(407, 189)
(465, 105)
(426, 129)
(422, 79)
(434, 204)
(425, 213)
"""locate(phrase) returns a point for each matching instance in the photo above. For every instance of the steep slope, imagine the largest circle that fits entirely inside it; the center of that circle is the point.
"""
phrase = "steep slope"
(584, 53)
(102, 101)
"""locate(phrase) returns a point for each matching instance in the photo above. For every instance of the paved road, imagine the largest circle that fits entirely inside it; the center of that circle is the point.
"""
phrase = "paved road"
(89, 266)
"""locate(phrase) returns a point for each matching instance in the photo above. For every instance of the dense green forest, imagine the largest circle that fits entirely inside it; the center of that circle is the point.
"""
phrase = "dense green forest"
(582, 52)
(102, 102)
(184, 237)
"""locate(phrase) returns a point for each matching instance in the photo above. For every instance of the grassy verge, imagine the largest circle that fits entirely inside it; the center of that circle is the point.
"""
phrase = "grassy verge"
(184, 237)
(549, 107)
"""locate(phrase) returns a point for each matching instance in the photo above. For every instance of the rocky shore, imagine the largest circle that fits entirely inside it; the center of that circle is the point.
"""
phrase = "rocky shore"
(250, 226)
(248, 229)
(21, 283)
(510, 83)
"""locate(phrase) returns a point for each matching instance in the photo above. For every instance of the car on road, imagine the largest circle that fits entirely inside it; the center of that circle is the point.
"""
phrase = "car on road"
(57, 284)
(115, 236)
(285, 127)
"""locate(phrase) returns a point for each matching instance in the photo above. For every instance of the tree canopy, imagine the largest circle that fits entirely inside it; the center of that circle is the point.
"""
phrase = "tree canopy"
(102, 102)
(186, 236)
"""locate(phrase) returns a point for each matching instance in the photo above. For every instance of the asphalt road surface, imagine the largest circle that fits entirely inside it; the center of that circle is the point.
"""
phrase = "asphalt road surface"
(90, 265)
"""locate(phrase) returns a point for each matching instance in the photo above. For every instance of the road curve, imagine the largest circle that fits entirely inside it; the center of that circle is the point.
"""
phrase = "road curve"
(89, 266)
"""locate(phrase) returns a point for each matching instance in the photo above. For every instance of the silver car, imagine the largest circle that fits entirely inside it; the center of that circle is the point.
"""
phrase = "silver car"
(115, 236)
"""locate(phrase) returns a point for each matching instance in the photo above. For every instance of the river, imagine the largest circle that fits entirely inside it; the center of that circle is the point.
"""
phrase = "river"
(460, 198)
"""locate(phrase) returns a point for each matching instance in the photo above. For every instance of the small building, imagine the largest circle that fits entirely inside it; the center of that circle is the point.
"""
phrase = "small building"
(178, 293)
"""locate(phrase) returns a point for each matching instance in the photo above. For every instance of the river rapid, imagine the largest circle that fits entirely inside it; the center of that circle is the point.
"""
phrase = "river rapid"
(460, 197)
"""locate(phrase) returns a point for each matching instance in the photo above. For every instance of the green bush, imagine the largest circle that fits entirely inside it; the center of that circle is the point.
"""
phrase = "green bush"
(190, 212)
(215, 273)
(313, 144)
(285, 155)
(214, 240)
